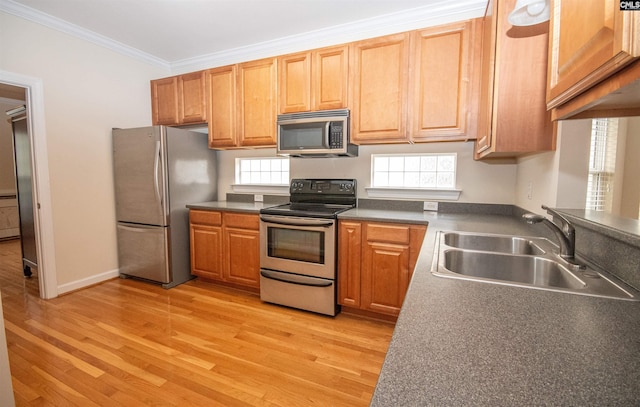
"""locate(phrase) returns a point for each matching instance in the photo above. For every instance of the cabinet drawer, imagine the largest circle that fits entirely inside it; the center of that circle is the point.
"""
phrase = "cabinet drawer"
(241, 221)
(205, 217)
(388, 233)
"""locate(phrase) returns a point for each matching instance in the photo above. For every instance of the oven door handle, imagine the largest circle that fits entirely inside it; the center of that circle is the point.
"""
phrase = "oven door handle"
(293, 280)
(296, 221)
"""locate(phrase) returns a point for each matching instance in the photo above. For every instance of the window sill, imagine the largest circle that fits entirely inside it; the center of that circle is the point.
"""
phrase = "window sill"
(265, 189)
(419, 193)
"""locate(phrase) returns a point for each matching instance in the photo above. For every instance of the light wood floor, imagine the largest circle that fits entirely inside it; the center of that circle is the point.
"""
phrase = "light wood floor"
(128, 343)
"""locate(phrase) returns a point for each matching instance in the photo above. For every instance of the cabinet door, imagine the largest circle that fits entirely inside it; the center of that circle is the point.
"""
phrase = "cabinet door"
(206, 251)
(330, 73)
(379, 82)
(243, 261)
(349, 261)
(221, 88)
(440, 86)
(294, 82)
(513, 116)
(385, 267)
(588, 44)
(257, 103)
(192, 98)
(164, 101)
(205, 234)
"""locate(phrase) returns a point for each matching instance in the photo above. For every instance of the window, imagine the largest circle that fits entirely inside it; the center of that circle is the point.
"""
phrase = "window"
(262, 171)
(414, 171)
(425, 176)
(602, 161)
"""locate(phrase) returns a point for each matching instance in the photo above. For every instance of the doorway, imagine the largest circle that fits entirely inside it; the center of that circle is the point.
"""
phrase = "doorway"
(34, 101)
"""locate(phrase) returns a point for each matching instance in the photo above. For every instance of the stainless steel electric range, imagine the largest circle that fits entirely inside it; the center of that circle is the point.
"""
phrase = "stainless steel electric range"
(298, 243)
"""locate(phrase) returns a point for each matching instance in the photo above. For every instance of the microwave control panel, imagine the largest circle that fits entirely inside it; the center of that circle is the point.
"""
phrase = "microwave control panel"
(335, 135)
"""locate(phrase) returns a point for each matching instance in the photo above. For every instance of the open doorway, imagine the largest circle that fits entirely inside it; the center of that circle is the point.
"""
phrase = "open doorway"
(34, 101)
(18, 249)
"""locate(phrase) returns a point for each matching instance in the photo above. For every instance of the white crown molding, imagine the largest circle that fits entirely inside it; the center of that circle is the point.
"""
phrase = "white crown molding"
(443, 12)
(434, 14)
(31, 14)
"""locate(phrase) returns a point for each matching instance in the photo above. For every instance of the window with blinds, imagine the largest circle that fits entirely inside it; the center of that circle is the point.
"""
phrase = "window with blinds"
(602, 161)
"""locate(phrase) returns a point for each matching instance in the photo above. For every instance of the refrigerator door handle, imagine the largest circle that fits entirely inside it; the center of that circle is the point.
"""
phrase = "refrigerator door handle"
(137, 228)
(156, 167)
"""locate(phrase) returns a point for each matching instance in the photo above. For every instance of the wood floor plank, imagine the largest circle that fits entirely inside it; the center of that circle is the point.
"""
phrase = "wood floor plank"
(130, 343)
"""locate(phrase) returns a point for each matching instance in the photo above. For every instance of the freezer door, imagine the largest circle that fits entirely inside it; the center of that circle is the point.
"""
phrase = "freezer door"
(140, 175)
(143, 251)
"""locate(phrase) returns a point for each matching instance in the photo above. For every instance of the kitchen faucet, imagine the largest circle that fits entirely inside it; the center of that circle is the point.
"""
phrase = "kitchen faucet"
(566, 234)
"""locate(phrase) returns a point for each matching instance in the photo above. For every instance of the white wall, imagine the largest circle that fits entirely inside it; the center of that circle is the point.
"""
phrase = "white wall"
(631, 187)
(556, 178)
(480, 182)
(87, 91)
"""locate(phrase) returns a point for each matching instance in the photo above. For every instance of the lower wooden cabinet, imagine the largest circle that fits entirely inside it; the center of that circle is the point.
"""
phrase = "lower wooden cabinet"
(225, 247)
(376, 262)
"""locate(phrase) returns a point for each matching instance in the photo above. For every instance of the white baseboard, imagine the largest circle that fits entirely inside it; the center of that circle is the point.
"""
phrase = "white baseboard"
(88, 281)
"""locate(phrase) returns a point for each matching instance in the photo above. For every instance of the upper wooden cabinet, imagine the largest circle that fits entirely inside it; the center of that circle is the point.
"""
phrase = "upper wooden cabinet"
(256, 111)
(192, 98)
(314, 80)
(588, 44)
(378, 81)
(221, 88)
(164, 101)
(441, 86)
(179, 99)
(513, 117)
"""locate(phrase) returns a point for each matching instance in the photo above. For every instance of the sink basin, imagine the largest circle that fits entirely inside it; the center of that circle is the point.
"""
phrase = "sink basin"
(520, 261)
(532, 270)
(493, 243)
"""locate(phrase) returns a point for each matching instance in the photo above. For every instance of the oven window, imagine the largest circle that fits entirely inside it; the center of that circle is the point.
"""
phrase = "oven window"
(298, 245)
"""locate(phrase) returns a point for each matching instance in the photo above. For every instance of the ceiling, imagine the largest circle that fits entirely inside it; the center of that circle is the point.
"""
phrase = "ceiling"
(171, 31)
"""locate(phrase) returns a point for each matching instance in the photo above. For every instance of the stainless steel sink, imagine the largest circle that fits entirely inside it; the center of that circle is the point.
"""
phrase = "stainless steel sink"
(532, 270)
(494, 243)
(520, 261)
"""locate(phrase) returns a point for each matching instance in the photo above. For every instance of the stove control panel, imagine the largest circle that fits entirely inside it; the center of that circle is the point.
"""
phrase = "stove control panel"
(323, 186)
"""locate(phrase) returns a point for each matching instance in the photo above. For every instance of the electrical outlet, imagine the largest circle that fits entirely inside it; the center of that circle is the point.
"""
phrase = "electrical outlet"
(258, 198)
(430, 206)
(530, 191)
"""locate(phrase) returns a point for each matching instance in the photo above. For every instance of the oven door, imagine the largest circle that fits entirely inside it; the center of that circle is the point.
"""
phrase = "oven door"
(298, 245)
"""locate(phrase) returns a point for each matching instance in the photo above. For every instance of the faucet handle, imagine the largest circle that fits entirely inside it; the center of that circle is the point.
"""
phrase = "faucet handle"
(566, 225)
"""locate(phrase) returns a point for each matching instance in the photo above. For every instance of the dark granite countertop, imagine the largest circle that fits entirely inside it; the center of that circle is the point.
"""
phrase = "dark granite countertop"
(231, 206)
(461, 342)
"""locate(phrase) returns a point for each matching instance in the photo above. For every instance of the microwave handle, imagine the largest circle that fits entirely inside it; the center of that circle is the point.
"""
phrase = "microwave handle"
(327, 141)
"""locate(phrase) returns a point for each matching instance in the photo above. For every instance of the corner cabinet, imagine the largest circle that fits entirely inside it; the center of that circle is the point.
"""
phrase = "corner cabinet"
(179, 100)
(588, 44)
(443, 81)
(379, 81)
(513, 118)
(375, 264)
(314, 80)
(225, 248)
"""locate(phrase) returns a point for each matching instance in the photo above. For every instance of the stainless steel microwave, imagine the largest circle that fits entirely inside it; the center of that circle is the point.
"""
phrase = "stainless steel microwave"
(323, 133)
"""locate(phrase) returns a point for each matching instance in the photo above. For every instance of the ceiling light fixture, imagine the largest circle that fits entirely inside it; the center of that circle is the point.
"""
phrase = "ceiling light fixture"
(530, 12)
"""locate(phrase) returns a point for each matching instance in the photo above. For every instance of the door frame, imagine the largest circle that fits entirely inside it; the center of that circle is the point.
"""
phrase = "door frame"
(43, 217)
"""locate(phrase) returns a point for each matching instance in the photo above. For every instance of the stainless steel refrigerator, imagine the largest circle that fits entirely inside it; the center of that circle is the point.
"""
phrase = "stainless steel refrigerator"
(159, 170)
